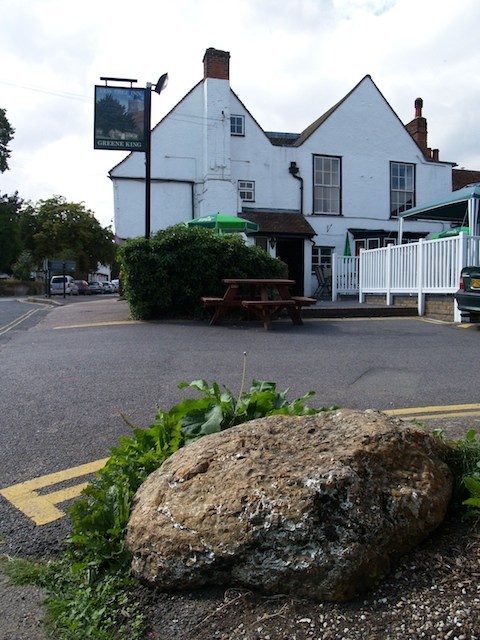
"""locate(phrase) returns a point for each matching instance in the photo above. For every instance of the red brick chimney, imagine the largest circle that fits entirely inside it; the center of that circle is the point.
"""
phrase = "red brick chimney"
(216, 64)
(417, 128)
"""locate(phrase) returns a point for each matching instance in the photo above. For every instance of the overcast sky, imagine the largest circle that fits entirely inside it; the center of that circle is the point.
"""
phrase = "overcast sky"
(291, 60)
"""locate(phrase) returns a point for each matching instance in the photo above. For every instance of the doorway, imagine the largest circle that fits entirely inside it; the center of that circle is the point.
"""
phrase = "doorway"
(291, 251)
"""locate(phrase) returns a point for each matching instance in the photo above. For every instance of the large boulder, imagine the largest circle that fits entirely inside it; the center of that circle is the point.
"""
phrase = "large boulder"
(316, 506)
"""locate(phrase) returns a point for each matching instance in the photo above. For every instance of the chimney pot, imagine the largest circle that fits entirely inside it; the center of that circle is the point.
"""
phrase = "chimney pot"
(418, 107)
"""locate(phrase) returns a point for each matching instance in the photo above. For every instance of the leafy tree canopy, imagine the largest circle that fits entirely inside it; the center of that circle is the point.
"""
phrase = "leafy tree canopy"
(57, 229)
(10, 230)
(6, 135)
(111, 115)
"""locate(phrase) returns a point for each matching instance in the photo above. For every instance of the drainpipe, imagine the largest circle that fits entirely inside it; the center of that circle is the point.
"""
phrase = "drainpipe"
(293, 169)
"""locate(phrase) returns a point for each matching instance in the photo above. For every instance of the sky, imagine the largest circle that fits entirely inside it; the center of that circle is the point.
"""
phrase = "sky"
(291, 60)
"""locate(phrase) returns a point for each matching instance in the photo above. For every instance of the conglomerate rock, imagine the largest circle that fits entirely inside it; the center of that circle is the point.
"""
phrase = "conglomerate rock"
(315, 506)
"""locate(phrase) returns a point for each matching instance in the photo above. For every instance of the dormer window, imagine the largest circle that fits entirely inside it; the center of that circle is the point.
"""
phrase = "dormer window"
(237, 125)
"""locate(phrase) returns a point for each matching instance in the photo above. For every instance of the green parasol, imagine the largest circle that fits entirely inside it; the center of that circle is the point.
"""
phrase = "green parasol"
(223, 223)
(450, 232)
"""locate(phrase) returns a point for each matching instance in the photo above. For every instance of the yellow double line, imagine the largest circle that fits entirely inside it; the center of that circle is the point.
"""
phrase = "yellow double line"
(17, 321)
(37, 501)
(436, 412)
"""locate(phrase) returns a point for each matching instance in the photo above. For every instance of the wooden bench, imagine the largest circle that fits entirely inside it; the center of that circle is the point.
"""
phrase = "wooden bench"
(221, 305)
(211, 302)
(267, 310)
(303, 301)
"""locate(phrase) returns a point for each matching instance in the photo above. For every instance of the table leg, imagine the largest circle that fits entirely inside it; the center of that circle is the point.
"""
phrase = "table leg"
(295, 315)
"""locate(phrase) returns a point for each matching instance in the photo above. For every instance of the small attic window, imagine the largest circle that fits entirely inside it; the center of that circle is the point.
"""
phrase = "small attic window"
(237, 125)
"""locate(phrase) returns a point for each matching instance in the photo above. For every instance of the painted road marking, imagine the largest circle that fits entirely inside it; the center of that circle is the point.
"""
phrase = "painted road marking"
(436, 412)
(17, 321)
(99, 324)
(41, 508)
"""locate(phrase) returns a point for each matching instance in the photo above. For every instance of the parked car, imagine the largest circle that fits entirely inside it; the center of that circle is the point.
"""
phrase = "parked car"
(95, 286)
(468, 294)
(108, 287)
(63, 284)
(83, 288)
(116, 285)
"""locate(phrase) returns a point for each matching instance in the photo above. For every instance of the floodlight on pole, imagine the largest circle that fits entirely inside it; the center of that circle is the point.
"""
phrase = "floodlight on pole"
(161, 84)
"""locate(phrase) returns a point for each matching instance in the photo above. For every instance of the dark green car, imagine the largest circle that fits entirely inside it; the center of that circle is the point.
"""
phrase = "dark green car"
(468, 295)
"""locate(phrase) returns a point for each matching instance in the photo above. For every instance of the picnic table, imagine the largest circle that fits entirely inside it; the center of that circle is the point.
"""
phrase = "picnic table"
(265, 297)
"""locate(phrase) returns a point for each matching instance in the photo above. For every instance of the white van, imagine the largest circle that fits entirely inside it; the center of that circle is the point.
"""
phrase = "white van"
(63, 284)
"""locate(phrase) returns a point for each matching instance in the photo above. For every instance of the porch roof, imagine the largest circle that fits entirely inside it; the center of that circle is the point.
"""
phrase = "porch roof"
(452, 208)
(279, 223)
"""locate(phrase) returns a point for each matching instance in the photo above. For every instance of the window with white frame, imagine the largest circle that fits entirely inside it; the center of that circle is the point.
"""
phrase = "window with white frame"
(237, 125)
(402, 187)
(326, 185)
(321, 257)
(246, 190)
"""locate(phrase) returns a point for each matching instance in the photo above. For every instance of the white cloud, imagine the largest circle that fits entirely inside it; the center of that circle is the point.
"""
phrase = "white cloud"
(290, 62)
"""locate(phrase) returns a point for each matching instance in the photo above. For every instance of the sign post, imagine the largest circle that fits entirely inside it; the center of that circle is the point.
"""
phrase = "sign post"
(123, 123)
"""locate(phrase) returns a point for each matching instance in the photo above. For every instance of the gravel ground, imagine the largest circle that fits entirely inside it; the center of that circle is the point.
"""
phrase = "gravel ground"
(433, 593)
(21, 612)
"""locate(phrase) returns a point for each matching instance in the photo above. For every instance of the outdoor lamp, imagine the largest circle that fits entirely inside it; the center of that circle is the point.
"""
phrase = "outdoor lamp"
(162, 83)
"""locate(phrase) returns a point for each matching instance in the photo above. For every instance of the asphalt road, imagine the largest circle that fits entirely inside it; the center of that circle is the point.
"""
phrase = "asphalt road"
(68, 373)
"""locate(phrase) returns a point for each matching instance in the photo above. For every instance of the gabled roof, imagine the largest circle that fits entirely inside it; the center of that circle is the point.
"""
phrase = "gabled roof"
(315, 125)
(306, 133)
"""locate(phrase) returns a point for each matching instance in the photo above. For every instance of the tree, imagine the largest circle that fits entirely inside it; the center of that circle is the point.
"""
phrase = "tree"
(10, 230)
(24, 266)
(57, 229)
(6, 135)
(111, 116)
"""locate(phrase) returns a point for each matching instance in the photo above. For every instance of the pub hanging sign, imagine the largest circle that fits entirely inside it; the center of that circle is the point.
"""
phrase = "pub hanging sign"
(119, 118)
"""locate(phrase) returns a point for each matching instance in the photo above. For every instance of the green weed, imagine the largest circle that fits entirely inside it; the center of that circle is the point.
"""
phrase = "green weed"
(89, 588)
(464, 461)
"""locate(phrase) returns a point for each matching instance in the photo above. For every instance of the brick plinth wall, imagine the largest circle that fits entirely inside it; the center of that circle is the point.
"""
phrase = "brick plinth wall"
(437, 306)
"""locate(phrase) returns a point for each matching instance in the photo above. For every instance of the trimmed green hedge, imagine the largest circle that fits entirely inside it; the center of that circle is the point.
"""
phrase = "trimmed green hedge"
(167, 275)
(14, 287)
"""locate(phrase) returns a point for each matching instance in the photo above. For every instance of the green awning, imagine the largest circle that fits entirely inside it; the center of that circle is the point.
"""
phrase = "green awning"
(451, 208)
(460, 206)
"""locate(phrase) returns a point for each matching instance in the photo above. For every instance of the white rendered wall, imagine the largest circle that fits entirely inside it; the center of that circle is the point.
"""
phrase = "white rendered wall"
(193, 144)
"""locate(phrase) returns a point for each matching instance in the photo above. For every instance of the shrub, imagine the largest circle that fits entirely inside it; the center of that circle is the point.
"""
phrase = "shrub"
(99, 518)
(12, 287)
(463, 458)
(167, 275)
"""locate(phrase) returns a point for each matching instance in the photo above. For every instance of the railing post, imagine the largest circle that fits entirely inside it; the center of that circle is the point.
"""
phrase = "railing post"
(388, 275)
(420, 283)
(359, 264)
(334, 277)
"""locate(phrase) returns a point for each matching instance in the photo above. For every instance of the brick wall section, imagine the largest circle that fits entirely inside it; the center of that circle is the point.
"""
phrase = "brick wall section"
(216, 64)
(437, 306)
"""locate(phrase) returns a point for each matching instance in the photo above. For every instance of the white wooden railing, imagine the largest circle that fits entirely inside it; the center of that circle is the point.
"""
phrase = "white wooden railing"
(345, 276)
(417, 268)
